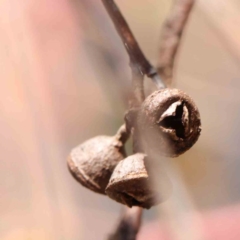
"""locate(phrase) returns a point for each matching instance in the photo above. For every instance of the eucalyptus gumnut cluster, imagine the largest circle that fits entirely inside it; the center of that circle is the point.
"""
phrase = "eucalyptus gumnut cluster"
(167, 123)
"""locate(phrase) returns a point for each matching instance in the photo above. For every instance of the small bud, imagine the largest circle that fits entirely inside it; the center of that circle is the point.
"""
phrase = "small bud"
(93, 162)
(131, 185)
(168, 122)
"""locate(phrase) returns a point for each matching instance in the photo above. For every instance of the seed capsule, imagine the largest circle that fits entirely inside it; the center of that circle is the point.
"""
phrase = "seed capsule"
(92, 162)
(130, 183)
(168, 122)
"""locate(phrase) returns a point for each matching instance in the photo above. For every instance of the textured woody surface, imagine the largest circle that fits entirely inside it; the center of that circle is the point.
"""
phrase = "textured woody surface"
(168, 122)
(131, 184)
(92, 162)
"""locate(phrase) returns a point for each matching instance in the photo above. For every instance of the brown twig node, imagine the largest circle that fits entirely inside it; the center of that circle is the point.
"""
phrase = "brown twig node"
(171, 36)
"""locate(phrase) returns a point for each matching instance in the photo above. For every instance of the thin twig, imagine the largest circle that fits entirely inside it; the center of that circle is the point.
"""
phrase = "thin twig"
(137, 58)
(129, 225)
(137, 86)
(171, 36)
(131, 220)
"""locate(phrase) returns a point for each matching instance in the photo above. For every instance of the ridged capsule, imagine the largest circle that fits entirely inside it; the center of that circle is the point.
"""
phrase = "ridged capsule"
(168, 122)
(131, 183)
(92, 162)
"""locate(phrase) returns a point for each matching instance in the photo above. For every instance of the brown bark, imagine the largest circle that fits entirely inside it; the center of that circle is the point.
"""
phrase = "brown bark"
(171, 37)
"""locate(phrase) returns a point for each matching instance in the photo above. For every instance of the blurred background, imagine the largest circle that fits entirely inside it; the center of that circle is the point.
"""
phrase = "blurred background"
(65, 78)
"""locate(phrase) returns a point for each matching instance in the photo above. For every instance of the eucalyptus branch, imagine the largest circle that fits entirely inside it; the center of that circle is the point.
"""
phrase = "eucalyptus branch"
(171, 36)
(137, 59)
(126, 179)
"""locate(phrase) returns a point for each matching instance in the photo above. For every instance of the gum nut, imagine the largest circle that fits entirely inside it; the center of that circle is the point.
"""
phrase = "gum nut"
(130, 183)
(93, 162)
(168, 122)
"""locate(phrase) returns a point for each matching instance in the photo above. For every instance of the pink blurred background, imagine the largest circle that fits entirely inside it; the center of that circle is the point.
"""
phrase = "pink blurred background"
(65, 78)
